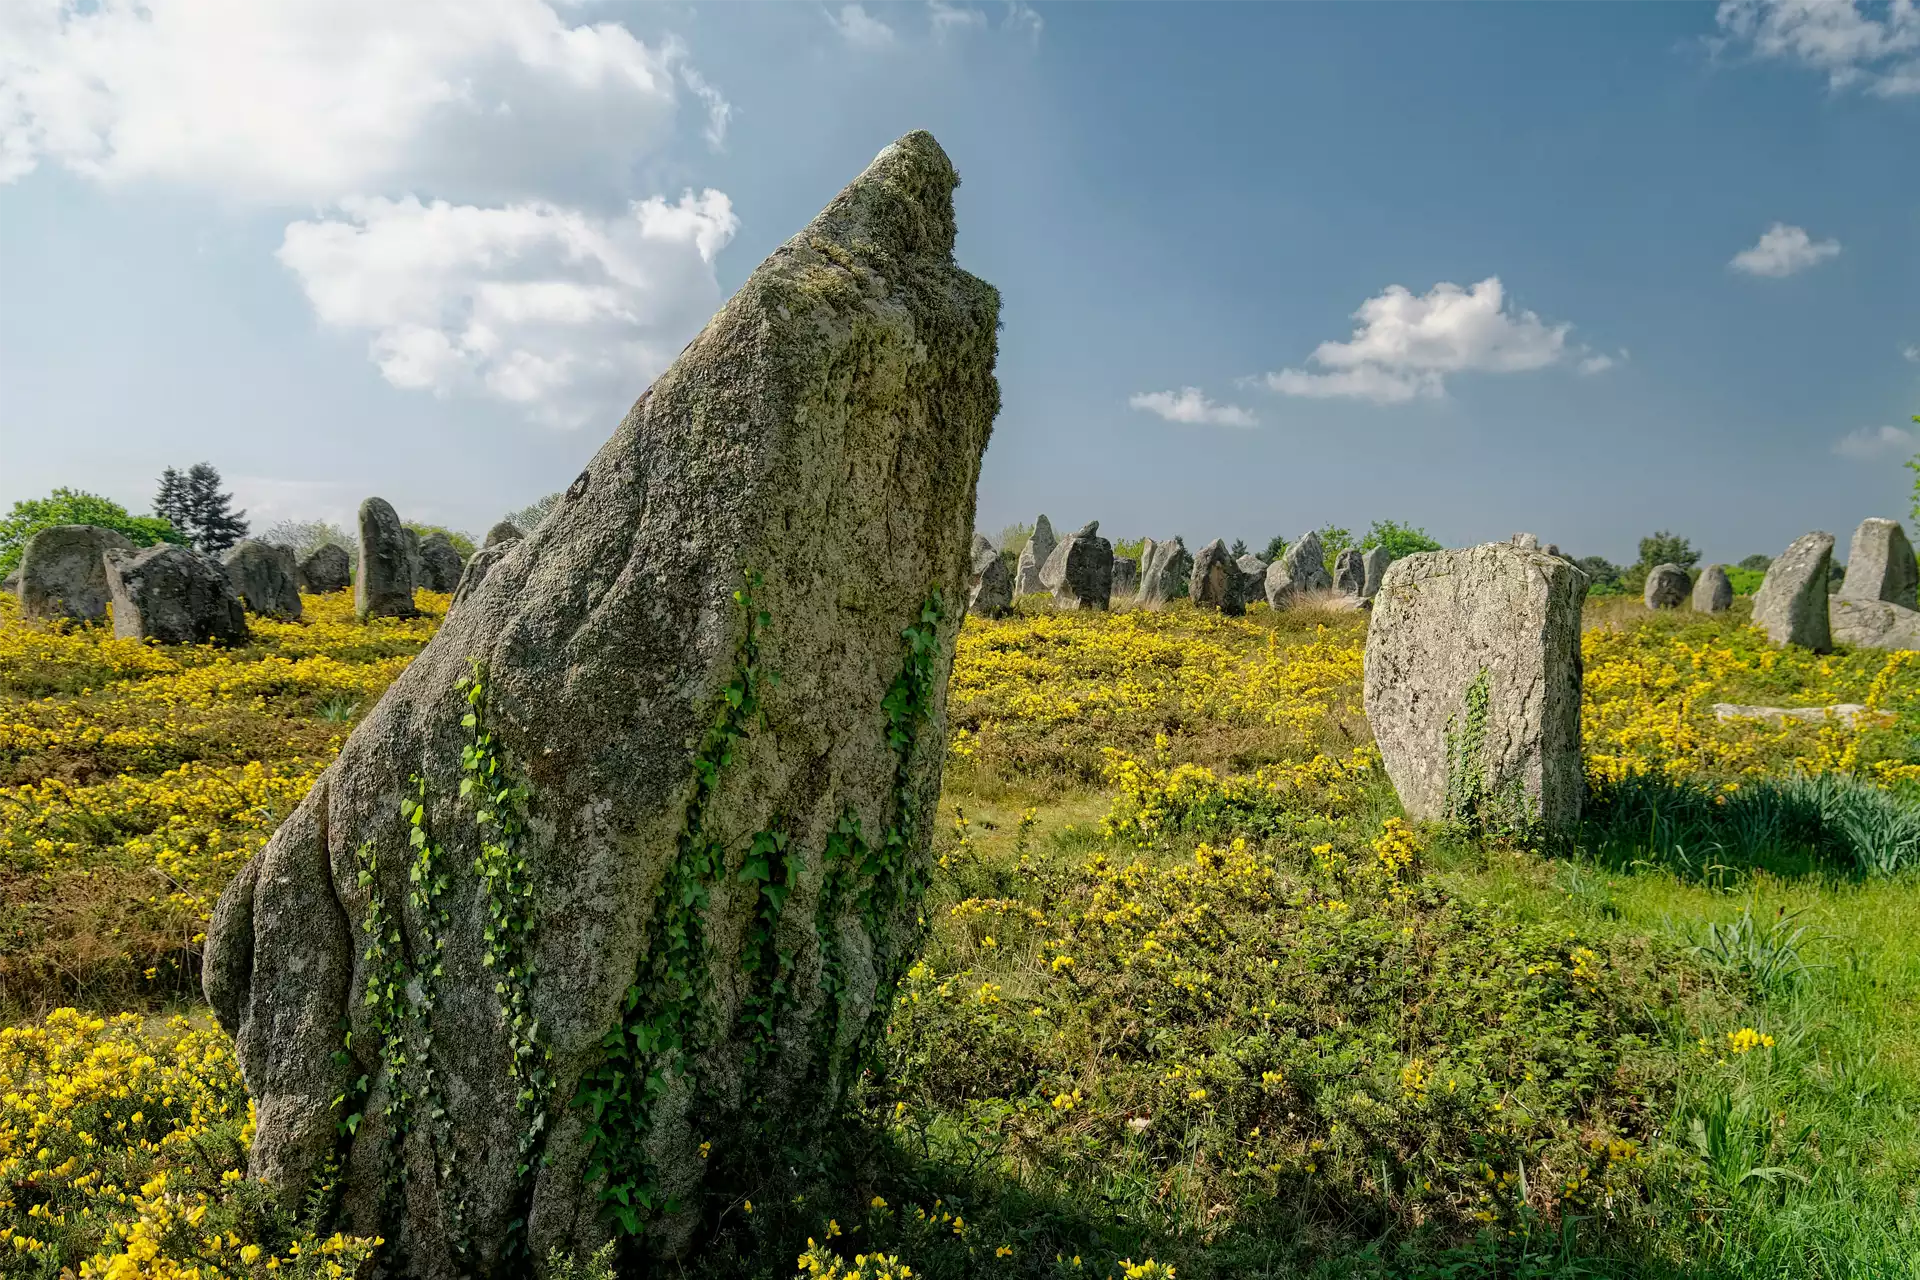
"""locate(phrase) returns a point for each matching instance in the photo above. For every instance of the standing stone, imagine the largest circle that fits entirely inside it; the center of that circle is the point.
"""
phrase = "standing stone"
(1714, 592)
(11, 583)
(416, 573)
(1880, 565)
(1667, 587)
(504, 531)
(1126, 577)
(265, 578)
(63, 575)
(668, 804)
(1473, 685)
(990, 588)
(1026, 574)
(1302, 569)
(1791, 605)
(1079, 573)
(383, 586)
(171, 595)
(1253, 569)
(1373, 565)
(1350, 572)
(1527, 542)
(1165, 571)
(1216, 582)
(327, 570)
(1874, 624)
(440, 563)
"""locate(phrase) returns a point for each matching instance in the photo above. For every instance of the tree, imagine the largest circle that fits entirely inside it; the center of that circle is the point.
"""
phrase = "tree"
(1238, 549)
(304, 537)
(170, 504)
(462, 542)
(1757, 563)
(1334, 540)
(1603, 575)
(75, 506)
(526, 519)
(1398, 539)
(193, 504)
(1666, 548)
(1276, 547)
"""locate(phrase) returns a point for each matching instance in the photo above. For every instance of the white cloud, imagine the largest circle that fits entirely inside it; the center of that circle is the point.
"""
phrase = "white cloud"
(1869, 443)
(861, 29)
(1598, 362)
(1407, 344)
(311, 100)
(1782, 250)
(1850, 44)
(562, 313)
(1025, 19)
(1190, 406)
(1911, 353)
(950, 18)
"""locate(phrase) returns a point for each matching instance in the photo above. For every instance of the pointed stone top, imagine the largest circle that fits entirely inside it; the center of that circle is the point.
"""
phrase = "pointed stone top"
(902, 204)
(981, 544)
(1088, 530)
(1042, 524)
(1217, 547)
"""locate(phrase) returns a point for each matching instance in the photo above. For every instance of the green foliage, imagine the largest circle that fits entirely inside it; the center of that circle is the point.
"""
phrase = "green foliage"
(1131, 548)
(1015, 536)
(1603, 575)
(526, 519)
(1238, 549)
(1478, 800)
(1745, 581)
(1276, 547)
(1666, 548)
(462, 542)
(1754, 564)
(75, 506)
(193, 504)
(1334, 540)
(1766, 958)
(1399, 539)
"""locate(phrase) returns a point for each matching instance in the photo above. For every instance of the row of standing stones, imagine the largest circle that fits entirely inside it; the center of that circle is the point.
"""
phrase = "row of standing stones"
(1080, 571)
(606, 899)
(176, 595)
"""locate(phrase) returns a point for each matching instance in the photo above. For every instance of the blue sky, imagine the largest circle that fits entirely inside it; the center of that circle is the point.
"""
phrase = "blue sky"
(1587, 270)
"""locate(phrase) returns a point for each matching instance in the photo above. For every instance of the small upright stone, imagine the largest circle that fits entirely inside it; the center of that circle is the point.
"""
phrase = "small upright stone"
(171, 595)
(1526, 542)
(416, 572)
(1302, 569)
(503, 532)
(63, 575)
(1126, 577)
(1253, 569)
(327, 570)
(1164, 574)
(1350, 572)
(1216, 582)
(1473, 685)
(990, 590)
(1791, 605)
(265, 578)
(383, 586)
(1880, 565)
(440, 563)
(1079, 573)
(1033, 557)
(1714, 592)
(1667, 587)
(1374, 568)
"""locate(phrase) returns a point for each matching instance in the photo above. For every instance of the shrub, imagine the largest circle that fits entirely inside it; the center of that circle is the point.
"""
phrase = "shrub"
(76, 506)
(462, 542)
(1666, 548)
(1746, 581)
(526, 519)
(1756, 563)
(1398, 539)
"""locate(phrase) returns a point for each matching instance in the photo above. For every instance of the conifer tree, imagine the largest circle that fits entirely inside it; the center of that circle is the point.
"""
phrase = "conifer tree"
(216, 526)
(170, 504)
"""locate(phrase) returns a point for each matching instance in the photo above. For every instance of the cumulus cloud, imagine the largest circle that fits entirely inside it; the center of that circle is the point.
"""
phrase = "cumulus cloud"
(562, 313)
(1870, 443)
(1190, 406)
(1599, 362)
(947, 19)
(1879, 52)
(1783, 250)
(309, 100)
(861, 29)
(1406, 345)
(1023, 19)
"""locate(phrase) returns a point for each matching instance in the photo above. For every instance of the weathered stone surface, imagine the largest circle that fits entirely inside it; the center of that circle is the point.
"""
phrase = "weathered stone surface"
(1350, 572)
(1374, 567)
(1844, 713)
(478, 565)
(1713, 593)
(172, 595)
(327, 570)
(1874, 624)
(1033, 556)
(990, 587)
(63, 573)
(1527, 542)
(1302, 569)
(1165, 573)
(1473, 685)
(1253, 569)
(1079, 573)
(1667, 587)
(1791, 605)
(440, 563)
(383, 584)
(265, 578)
(1126, 577)
(1880, 565)
(1215, 582)
(503, 532)
(823, 432)
(415, 570)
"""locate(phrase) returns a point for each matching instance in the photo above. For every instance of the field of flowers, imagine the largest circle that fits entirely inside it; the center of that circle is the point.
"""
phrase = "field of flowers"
(1193, 997)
